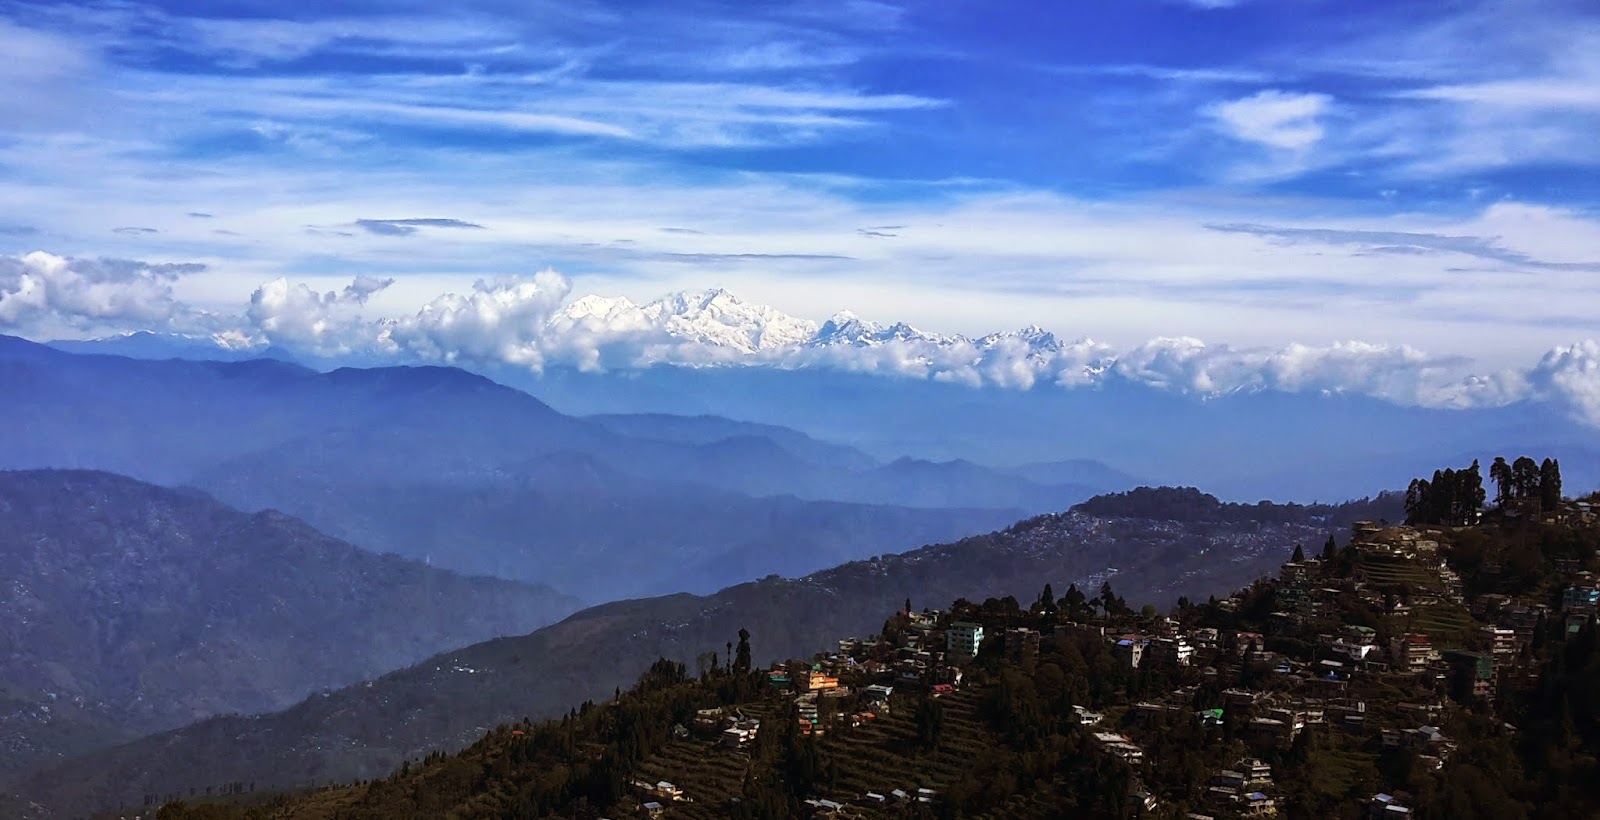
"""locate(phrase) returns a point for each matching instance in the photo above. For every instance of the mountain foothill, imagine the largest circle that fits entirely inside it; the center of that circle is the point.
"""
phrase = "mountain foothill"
(256, 572)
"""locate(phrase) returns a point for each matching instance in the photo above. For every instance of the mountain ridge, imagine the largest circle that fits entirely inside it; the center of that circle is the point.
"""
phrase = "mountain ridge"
(411, 711)
(132, 608)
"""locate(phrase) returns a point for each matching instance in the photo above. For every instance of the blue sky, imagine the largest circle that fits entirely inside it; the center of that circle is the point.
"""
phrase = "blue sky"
(1254, 173)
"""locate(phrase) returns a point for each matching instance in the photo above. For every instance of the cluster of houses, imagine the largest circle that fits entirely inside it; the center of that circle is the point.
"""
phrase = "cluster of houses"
(730, 727)
(1241, 789)
(1401, 578)
(656, 796)
(1315, 690)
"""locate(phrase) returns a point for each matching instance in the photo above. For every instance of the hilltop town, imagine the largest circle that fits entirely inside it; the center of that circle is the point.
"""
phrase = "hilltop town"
(1416, 670)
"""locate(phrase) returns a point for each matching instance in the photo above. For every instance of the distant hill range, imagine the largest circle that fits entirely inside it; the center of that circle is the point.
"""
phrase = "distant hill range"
(365, 730)
(129, 609)
(1244, 445)
(451, 468)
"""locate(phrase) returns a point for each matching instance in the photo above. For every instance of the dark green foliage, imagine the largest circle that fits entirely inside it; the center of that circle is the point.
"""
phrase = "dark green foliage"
(1190, 504)
(351, 734)
(741, 659)
(1452, 498)
(1549, 485)
(1020, 748)
(930, 723)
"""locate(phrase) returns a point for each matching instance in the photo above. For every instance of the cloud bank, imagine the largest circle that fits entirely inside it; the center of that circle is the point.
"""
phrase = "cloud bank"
(44, 290)
(533, 322)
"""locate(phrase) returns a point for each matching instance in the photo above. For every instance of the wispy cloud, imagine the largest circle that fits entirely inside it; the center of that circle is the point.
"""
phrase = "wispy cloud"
(407, 227)
(1189, 74)
(1212, 4)
(1276, 119)
(1407, 242)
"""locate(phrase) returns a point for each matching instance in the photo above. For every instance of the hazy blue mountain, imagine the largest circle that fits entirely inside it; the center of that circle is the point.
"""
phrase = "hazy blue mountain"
(707, 429)
(1244, 446)
(131, 608)
(146, 345)
(1074, 471)
(444, 465)
(451, 699)
(573, 522)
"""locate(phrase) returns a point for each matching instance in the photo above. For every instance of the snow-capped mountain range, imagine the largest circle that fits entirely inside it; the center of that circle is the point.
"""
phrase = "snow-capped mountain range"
(715, 327)
(533, 322)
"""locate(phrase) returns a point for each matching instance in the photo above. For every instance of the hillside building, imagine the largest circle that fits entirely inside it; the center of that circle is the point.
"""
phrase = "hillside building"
(963, 638)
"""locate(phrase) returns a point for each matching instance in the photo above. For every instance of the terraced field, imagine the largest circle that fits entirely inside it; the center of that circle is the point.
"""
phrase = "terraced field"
(1398, 572)
(879, 756)
(1449, 625)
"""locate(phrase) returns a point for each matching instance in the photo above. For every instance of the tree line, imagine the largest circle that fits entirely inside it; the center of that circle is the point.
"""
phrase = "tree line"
(1456, 497)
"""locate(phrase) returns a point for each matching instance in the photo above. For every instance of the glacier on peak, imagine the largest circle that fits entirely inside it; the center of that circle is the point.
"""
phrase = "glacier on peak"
(721, 319)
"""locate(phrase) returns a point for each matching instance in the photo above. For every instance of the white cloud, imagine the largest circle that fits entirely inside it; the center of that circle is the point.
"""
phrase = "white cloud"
(45, 291)
(325, 324)
(252, 40)
(1277, 119)
(1571, 375)
(503, 321)
(529, 322)
(1400, 374)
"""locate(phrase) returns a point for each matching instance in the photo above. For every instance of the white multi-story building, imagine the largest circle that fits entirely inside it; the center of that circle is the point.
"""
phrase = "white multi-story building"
(963, 639)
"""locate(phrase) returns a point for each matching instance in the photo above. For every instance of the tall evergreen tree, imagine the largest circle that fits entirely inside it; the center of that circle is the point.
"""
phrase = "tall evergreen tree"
(1299, 554)
(1524, 478)
(1471, 497)
(1549, 485)
(1075, 600)
(1418, 503)
(1500, 472)
(741, 661)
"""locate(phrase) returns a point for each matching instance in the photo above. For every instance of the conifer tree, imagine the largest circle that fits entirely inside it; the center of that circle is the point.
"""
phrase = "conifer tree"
(741, 661)
(1500, 473)
(1549, 485)
(1524, 478)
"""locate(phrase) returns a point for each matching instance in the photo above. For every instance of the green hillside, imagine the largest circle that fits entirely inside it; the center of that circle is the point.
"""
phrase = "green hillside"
(1244, 706)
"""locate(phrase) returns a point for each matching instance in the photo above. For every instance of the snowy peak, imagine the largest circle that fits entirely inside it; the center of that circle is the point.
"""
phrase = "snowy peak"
(845, 328)
(601, 313)
(1033, 340)
(721, 319)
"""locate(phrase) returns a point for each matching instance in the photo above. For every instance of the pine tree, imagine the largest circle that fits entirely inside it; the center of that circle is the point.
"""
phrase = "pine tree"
(1418, 503)
(1330, 549)
(1074, 600)
(1500, 473)
(1550, 485)
(1472, 496)
(1524, 478)
(741, 661)
(1299, 554)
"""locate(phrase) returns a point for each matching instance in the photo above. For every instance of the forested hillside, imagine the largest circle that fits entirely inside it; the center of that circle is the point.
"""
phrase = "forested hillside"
(450, 700)
(129, 608)
(1392, 676)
